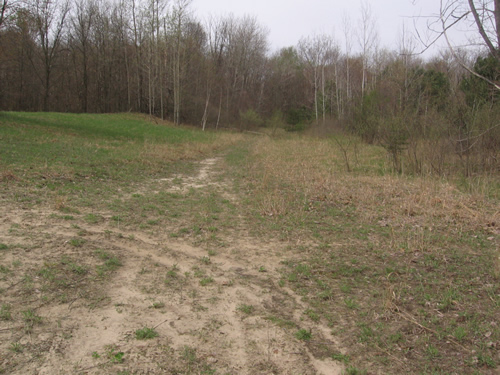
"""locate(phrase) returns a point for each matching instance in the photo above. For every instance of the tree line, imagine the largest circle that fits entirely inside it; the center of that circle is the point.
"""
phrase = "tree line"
(155, 57)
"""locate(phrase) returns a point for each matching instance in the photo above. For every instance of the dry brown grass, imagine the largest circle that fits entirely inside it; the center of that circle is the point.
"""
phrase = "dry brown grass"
(313, 169)
(292, 174)
(155, 152)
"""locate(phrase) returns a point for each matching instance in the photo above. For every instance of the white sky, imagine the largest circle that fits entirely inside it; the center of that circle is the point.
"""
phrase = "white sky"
(289, 20)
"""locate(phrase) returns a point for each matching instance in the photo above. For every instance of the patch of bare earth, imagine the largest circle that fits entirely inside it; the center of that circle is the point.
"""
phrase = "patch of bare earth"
(74, 294)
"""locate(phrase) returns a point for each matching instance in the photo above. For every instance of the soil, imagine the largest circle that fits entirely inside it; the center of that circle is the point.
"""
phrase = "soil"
(233, 319)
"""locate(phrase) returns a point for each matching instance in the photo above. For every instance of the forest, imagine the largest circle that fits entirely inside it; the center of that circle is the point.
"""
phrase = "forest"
(432, 115)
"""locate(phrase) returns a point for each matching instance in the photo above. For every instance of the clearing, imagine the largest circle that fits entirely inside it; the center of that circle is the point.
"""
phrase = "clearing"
(128, 247)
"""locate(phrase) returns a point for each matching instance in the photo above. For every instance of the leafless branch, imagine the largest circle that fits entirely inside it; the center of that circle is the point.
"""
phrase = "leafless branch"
(494, 51)
(453, 52)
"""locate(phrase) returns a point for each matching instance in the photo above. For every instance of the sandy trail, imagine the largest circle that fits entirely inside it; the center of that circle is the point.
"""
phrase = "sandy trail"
(203, 327)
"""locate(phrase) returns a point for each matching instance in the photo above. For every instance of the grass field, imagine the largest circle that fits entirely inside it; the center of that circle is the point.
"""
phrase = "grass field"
(129, 246)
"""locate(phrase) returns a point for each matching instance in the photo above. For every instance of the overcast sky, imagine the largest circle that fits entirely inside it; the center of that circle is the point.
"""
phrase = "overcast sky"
(289, 20)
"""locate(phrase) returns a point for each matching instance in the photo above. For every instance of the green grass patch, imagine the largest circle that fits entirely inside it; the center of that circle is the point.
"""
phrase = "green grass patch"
(246, 309)
(5, 312)
(65, 155)
(303, 334)
(145, 333)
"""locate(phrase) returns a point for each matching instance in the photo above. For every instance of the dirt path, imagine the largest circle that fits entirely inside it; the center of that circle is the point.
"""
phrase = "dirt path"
(223, 313)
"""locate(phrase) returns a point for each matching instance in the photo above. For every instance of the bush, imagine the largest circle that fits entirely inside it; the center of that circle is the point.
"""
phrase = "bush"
(394, 139)
(297, 119)
(250, 119)
(276, 121)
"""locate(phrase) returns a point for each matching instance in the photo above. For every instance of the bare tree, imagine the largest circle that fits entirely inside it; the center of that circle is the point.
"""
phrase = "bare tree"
(180, 14)
(317, 51)
(347, 29)
(4, 7)
(218, 40)
(125, 40)
(82, 23)
(368, 38)
(246, 56)
(406, 51)
(50, 19)
(479, 24)
(7, 9)
(153, 17)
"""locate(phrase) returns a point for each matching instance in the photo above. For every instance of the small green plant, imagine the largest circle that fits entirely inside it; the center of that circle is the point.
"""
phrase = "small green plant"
(172, 273)
(395, 338)
(205, 260)
(432, 351)
(206, 280)
(77, 242)
(158, 305)
(95, 355)
(281, 322)
(92, 218)
(486, 361)
(339, 357)
(117, 357)
(350, 303)
(145, 333)
(113, 356)
(199, 273)
(101, 254)
(189, 355)
(31, 318)
(366, 333)
(79, 270)
(460, 333)
(303, 334)
(16, 347)
(448, 299)
(312, 315)
(304, 270)
(247, 309)
(111, 263)
(5, 312)
(3, 246)
(325, 295)
(262, 269)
